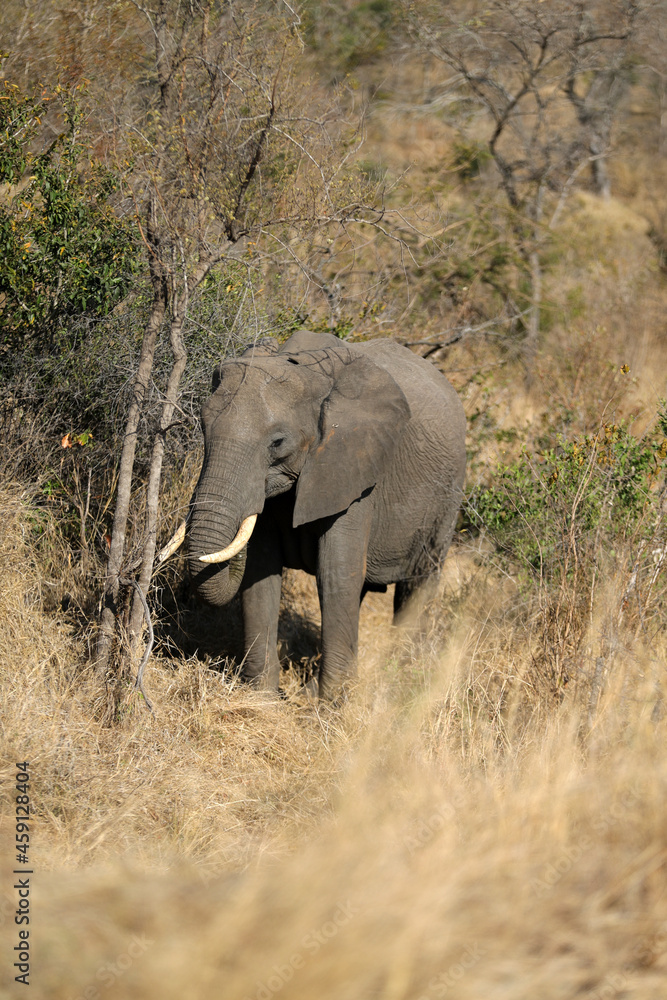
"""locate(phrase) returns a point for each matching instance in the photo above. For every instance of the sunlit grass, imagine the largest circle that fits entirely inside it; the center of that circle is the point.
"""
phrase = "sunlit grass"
(450, 830)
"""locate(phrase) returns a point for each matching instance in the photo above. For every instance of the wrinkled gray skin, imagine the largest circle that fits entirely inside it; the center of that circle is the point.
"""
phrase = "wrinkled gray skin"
(353, 457)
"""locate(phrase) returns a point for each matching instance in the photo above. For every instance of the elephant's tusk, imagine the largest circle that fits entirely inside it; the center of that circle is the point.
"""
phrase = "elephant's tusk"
(173, 544)
(233, 549)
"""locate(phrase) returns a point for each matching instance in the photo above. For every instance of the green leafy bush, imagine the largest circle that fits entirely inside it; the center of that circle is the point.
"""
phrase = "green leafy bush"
(567, 521)
(469, 157)
(348, 35)
(546, 512)
(65, 251)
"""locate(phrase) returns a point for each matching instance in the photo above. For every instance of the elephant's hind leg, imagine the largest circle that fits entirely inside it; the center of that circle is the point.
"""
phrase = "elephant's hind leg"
(341, 570)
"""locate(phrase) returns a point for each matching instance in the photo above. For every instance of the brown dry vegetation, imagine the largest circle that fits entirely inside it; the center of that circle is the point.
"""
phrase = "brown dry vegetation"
(485, 816)
(449, 828)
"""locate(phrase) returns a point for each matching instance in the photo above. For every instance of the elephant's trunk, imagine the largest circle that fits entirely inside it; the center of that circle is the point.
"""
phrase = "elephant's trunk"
(218, 584)
(214, 528)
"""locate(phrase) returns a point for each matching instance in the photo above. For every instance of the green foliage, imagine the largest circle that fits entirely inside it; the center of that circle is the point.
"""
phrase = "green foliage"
(64, 250)
(20, 115)
(341, 328)
(349, 34)
(546, 513)
(469, 157)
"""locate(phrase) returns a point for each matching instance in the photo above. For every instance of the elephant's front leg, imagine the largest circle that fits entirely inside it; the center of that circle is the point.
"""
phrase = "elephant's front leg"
(341, 570)
(260, 596)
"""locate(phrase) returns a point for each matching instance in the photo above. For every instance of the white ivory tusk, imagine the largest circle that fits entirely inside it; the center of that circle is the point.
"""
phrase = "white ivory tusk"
(233, 549)
(173, 544)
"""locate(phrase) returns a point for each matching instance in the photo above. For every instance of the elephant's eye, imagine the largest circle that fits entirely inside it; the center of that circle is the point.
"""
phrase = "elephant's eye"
(277, 443)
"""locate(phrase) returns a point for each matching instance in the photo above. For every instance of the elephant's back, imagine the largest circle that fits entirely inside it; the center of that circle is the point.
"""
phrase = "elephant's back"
(426, 389)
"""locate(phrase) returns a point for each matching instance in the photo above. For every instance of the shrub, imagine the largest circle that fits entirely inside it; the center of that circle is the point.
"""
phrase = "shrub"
(546, 509)
(567, 518)
(348, 35)
(65, 252)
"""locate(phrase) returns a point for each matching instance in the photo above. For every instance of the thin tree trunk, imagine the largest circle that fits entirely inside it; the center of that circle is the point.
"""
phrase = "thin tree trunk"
(599, 145)
(157, 458)
(179, 311)
(124, 492)
(535, 307)
(535, 276)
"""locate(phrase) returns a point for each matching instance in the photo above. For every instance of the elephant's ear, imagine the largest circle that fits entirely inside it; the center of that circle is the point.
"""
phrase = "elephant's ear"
(361, 421)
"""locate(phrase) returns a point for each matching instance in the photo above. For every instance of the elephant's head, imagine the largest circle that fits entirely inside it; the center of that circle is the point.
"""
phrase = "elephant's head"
(317, 415)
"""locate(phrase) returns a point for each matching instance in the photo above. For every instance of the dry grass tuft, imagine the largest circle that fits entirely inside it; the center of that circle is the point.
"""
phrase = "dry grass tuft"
(449, 831)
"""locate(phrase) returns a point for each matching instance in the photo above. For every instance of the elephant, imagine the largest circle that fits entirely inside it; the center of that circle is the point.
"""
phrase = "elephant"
(344, 460)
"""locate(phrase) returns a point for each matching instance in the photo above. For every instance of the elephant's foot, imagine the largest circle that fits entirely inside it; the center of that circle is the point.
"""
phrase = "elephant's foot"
(262, 680)
(335, 689)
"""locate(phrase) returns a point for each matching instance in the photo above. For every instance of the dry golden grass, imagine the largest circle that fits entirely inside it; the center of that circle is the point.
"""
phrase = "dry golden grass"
(448, 832)
(460, 827)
